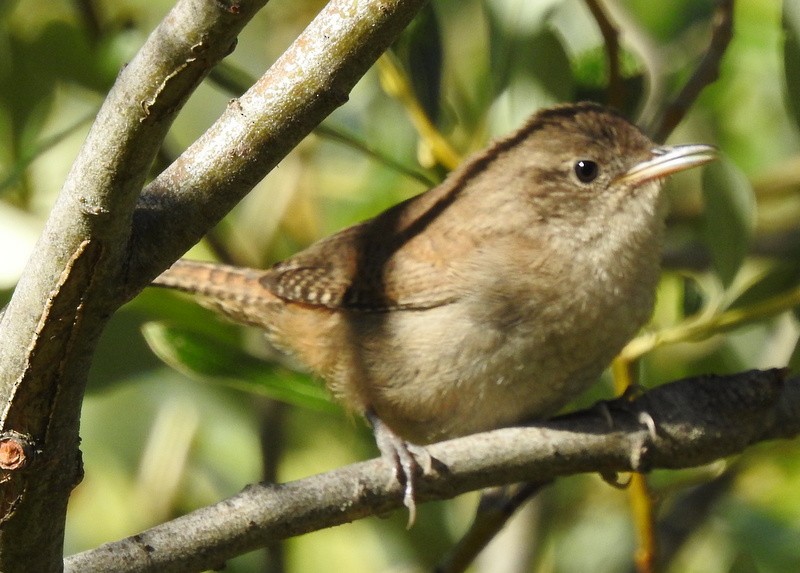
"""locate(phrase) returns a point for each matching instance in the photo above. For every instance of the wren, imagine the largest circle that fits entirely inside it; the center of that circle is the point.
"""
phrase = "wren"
(491, 299)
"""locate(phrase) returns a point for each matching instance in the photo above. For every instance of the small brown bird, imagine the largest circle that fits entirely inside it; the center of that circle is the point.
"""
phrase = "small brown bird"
(493, 298)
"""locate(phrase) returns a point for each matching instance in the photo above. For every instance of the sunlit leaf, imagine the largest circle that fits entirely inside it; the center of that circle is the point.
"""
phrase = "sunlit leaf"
(207, 358)
(773, 282)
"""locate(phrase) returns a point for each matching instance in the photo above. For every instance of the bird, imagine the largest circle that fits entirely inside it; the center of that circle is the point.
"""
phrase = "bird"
(491, 299)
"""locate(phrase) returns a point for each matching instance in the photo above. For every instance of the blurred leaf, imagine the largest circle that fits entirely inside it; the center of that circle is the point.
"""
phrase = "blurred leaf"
(537, 57)
(591, 78)
(537, 73)
(219, 360)
(420, 50)
(31, 154)
(664, 25)
(75, 55)
(791, 56)
(764, 542)
(730, 214)
(775, 281)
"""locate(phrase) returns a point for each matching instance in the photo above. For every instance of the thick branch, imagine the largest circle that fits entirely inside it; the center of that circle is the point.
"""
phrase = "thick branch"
(69, 286)
(695, 421)
(311, 79)
(74, 281)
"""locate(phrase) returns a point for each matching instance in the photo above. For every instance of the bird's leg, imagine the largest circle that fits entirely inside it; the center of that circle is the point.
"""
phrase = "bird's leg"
(404, 458)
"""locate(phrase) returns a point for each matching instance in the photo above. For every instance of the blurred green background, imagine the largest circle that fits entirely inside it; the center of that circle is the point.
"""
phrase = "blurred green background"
(159, 441)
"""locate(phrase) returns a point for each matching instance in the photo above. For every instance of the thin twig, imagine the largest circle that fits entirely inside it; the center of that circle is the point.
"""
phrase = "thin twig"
(706, 324)
(341, 135)
(616, 89)
(496, 507)
(689, 511)
(45, 145)
(236, 81)
(706, 73)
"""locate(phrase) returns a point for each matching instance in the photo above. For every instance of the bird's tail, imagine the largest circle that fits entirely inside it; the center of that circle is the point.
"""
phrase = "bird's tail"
(234, 291)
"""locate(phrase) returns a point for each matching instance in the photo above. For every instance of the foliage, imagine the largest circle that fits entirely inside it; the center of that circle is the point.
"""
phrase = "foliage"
(467, 70)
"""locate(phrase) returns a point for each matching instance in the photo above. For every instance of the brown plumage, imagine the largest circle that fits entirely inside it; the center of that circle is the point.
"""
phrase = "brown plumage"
(495, 297)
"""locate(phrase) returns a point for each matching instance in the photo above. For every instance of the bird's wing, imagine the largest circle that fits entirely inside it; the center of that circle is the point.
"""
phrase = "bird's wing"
(383, 264)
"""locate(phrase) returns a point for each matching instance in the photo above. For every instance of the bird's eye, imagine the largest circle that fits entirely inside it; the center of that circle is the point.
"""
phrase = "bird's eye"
(586, 170)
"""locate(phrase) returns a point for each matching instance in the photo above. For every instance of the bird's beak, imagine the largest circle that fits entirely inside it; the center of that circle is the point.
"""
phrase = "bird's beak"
(667, 160)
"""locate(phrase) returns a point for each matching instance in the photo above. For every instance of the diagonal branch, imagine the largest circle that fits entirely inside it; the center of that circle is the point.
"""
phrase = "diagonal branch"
(311, 79)
(93, 239)
(69, 287)
(706, 73)
(696, 421)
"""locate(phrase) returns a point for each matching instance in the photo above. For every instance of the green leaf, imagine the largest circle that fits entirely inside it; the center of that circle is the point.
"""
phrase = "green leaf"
(794, 360)
(730, 215)
(420, 50)
(791, 57)
(775, 281)
(548, 66)
(218, 359)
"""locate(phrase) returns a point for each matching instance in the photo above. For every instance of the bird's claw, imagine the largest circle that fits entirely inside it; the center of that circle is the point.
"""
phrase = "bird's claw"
(407, 461)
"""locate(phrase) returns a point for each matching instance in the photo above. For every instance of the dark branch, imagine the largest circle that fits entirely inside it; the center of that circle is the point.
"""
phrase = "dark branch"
(616, 89)
(706, 73)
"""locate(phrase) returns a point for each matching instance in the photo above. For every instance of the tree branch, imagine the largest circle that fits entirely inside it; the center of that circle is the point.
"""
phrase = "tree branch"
(93, 240)
(695, 421)
(311, 79)
(616, 89)
(496, 507)
(68, 288)
(706, 73)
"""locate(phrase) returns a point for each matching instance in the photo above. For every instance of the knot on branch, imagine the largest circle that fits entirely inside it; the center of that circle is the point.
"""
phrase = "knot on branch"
(16, 451)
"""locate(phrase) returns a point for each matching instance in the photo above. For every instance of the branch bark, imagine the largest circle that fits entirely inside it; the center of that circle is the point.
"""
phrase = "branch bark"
(102, 243)
(694, 421)
(312, 78)
(70, 285)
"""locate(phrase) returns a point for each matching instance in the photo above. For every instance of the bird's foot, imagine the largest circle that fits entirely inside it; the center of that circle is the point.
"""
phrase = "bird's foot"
(407, 461)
